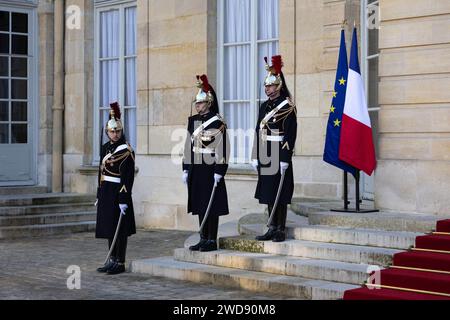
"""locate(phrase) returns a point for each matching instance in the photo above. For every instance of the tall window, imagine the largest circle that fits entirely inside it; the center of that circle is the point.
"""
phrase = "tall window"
(115, 68)
(14, 40)
(369, 63)
(248, 31)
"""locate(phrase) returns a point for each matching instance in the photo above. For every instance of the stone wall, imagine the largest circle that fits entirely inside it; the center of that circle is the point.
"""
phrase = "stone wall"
(414, 167)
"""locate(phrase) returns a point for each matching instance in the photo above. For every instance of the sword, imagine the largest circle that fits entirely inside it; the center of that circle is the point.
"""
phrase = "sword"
(115, 238)
(209, 208)
(276, 199)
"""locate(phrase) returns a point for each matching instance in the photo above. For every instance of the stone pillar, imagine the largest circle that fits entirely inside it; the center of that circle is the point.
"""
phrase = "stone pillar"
(413, 171)
(58, 98)
(46, 64)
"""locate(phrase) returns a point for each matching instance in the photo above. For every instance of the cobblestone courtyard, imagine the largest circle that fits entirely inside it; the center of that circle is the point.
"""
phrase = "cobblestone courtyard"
(35, 268)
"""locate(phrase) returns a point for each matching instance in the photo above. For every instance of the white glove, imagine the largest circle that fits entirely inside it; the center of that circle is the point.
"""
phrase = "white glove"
(123, 207)
(283, 167)
(96, 201)
(217, 178)
(255, 164)
(185, 176)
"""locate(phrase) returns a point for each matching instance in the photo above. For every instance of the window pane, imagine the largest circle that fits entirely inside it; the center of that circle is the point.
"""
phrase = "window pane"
(238, 117)
(267, 19)
(4, 21)
(4, 72)
(130, 82)
(109, 82)
(104, 116)
(19, 111)
(373, 83)
(4, 43)
(4, 89)
(4, 133)
(19, 133)
(19, 44)
(236, 84)
(109, 34)
(19, 89)
(130, 31)
(373, 41)
(20, 22)
(374, 123)
(130, 126)
(4, 112)
(264, 50)
(19, 67)
(237, 21)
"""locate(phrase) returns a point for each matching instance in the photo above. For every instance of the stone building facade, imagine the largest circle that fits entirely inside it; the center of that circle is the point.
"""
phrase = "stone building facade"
(405, 61)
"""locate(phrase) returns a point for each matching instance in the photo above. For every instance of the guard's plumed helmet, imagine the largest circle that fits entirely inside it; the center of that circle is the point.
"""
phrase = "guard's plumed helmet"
(204, 93)
(114, 123)
(274, 72)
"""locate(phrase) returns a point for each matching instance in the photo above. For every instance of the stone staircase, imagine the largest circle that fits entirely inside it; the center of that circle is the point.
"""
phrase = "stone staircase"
(325, 254)
(30, 212)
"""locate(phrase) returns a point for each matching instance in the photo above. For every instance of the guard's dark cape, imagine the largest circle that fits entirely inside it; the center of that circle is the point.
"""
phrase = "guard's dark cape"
(202, 167)
(110, 194)
(267, 187)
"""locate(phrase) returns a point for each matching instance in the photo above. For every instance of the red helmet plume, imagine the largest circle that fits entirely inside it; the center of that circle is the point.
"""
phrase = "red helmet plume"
(115, 110)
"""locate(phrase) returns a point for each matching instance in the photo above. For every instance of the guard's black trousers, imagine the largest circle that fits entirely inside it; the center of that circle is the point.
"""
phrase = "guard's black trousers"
(210, 228)
(279, 219)
(120, 248)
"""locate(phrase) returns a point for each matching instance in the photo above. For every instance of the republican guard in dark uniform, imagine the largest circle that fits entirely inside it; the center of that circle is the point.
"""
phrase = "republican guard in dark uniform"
(115, 183)
(205, 164)
(274, 142)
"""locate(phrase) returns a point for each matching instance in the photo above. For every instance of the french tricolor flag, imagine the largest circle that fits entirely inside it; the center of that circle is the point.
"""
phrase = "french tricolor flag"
(356, 146)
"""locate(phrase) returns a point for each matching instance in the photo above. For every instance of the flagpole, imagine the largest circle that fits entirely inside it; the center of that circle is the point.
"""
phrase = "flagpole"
(345, 190)
(357, 191)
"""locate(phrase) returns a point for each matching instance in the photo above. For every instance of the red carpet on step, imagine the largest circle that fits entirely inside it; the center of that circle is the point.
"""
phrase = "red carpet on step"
(434, 242)
(423, 260)
(417, 280)
(414, 279)
(443, 226)
(388, 294)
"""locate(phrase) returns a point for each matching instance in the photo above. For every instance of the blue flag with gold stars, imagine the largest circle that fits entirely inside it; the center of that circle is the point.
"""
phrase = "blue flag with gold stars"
(333, 137)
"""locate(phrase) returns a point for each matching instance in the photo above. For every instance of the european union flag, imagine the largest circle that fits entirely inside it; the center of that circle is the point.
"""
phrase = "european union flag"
(333, 138)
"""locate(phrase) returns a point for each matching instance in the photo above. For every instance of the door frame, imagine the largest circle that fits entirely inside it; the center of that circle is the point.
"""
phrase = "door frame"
(29, 7)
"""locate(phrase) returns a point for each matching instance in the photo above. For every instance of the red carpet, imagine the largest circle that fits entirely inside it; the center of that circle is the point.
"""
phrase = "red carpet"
(443, 226)
(387, 294)
(435, 242)
(423, 260)
(417, 280)
(423, 284)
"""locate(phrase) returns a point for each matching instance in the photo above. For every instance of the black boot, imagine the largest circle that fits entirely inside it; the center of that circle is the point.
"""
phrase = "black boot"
(279, 235)
(107, 265)
(210, 245)
(197, 246)
(116, 268)
(268, 235)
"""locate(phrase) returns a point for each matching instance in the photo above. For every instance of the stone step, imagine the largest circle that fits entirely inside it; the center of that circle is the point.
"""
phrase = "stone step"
(361, 237)
(305, 206)
(54, 218)
(378, 220)
(313, 250)
(22, 190)
(326, 270)
(46, 198)
(45, 229)
(45, 209)
(243, 279)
